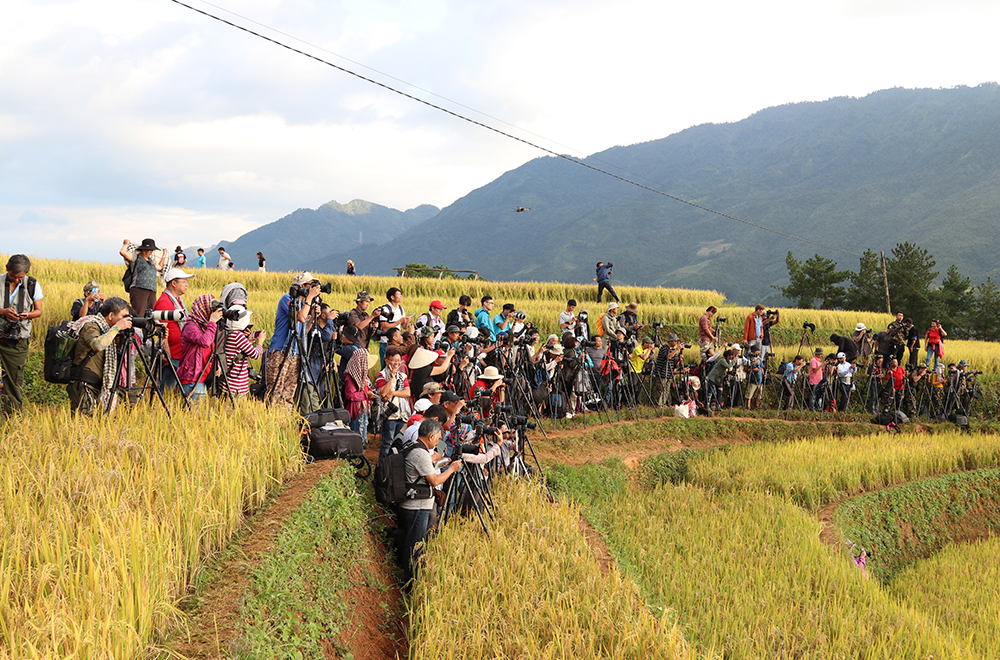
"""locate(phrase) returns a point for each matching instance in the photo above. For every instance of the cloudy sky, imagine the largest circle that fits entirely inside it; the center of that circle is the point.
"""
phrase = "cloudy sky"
(143, 118)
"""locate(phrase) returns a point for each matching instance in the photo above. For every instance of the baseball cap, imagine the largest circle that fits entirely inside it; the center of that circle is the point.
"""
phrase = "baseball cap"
(432, 387)
(437, 304)
(172, 274)
(449, 397)
(736, 347)
(421, 405)
(303, 278)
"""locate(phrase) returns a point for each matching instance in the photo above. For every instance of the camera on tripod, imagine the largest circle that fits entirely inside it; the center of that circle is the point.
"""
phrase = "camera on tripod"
(302, 290)
(463, 448)
(721, 319)
(588, 343)
(471, 420)
(483, 429)
(231, 314)
(658, 324)
(811, 327)
(164, 315)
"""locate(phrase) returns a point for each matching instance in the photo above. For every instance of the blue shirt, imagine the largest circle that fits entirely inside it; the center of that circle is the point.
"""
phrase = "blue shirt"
(603, 274)
(281, 324)
(484, 324)
(201, 261)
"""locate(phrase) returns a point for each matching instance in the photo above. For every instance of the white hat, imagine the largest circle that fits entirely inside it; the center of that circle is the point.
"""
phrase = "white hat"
(736, 347)
(243, 321)
(859, 327)
(612, 305)
(841, 355)
(491, 373)
(176, 274)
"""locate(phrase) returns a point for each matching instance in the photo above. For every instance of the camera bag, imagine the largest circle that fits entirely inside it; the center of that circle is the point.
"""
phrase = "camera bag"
(333, 443)
(327, 415)
(391, 487)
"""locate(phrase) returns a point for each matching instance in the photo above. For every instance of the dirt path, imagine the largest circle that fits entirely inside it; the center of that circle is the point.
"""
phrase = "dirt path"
(378, 614)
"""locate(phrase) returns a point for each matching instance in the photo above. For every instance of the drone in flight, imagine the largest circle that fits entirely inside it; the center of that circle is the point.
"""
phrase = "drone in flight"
(520, 209)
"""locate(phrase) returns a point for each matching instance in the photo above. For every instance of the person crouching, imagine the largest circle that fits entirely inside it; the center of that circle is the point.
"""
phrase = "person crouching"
(95, 361)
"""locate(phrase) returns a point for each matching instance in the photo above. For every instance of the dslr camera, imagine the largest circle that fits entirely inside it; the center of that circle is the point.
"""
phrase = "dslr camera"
(227, 314)
(811, 327)
(301, 291)
(165, 315)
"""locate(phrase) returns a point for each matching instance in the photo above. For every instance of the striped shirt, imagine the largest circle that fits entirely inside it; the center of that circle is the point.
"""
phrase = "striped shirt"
(237, 376)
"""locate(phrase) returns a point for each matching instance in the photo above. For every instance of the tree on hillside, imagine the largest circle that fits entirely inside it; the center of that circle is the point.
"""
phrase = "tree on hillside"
(866, 291)
(986, 315)
(956, 301)
(910, 271)
(815, 279)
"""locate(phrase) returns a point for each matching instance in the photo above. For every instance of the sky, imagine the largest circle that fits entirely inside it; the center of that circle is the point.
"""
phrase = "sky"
(142, 118)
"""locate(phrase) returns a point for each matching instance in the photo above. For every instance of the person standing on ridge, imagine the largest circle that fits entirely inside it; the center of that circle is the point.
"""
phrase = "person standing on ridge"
(603, 280)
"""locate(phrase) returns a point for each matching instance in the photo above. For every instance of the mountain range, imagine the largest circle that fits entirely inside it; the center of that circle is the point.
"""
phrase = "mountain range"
(847, 173)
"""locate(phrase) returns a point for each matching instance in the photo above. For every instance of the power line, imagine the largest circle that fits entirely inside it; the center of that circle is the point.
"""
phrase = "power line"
(510, 136)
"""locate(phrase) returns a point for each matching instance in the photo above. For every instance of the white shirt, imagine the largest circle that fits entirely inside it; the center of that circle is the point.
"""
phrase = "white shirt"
(397, 313)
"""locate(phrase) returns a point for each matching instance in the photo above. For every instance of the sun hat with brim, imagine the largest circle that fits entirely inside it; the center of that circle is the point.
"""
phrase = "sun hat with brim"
(421, 358)
(491, 373)
(90, 286)
(452, 328)
(859, 327)
(673, 337)
(818, 351)
(176, 274)
(147, 244)
(363, 295)
(556, 350)
(303, 278)
(612, 305)
(432, 387)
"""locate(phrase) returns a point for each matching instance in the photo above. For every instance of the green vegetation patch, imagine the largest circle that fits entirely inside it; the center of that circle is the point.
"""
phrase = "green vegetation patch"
(588, 484)
(296, 607)
(914, 521)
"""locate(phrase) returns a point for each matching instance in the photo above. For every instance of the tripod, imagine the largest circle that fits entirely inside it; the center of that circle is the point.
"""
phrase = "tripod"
(157, 358)
(217, 367)
(294, 339)
(468, 483)
(123, 357)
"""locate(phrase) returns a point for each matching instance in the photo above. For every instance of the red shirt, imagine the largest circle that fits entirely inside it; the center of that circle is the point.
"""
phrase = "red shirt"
(897, 377)
(164, 303)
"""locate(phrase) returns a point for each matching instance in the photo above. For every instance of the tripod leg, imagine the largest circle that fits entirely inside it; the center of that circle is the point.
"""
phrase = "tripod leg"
(156, 386)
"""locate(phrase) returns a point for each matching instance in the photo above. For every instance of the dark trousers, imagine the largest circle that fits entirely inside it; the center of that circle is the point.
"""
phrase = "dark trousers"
(601, 286)
(413, 525)
(141, 300)
(13, 357)
(390, 428)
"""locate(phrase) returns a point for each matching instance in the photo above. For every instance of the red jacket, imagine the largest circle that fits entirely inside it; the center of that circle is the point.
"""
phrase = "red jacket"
(750, 329)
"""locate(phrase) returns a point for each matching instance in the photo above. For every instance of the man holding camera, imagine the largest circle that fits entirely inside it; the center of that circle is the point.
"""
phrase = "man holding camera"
(283, 372)
(172, 299)
(706, 335)
(360, 319)
(90, 303)
(22, 302)
(568, 319)
(753, 329)
(94, 369)
(415, 514)
(391, 315)
(394, 392)
(898, 331)
(460, 316)
(610, 321)
(432, 319)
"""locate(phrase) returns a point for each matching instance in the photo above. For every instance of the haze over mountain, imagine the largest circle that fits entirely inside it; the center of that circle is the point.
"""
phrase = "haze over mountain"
(307, 234)
(854, 173)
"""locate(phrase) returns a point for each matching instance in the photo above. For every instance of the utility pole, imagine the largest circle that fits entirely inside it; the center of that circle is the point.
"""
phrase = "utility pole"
(885, 281)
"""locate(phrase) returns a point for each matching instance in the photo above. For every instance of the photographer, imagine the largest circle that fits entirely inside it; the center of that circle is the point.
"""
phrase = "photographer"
(788, 380)
(241, 346)
(916, 380)
(755, 378)
(876, 383)
(716, 377)
(640, 357)
(816, 380)
(22, 302)
(394, 393)
(360, 319)
(912, 342)
(629, 320)
(282, 371)
(490, 383)
(934, 343)
(669, 359)
(582, 330)
(898, 331)
(197, 342)
(897, 375)
(706, 335)
(460, 316)
(319, 334)
(90, 304)
(862, 338)
(753, 329)
(415, 514)
(568, 319)
(771, 319)
(609, 321)
(172, 298)
(140, 260)
(845, 376)
(426, 366)
(391, 315)
(94, 367)
(846, 346)
(432, 319)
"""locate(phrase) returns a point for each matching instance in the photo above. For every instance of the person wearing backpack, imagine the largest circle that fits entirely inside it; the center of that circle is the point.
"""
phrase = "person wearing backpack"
(22, 302)
(179, 257)
(94, 366)
(422, 477)
(141, 286)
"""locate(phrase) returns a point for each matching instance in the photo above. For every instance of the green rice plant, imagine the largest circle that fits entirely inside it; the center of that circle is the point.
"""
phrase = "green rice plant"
(104, 521)
(533, 589)
(820, 470)
(749, 577)
(957, 587)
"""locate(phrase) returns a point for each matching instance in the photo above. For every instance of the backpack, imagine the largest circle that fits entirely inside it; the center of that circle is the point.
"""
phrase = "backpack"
(781, 368)
(600, 325)
(389, 479)
(129, 275)
(57, 362)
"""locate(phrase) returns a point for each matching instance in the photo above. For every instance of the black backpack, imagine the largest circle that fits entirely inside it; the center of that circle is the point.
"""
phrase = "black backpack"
(57, 362)
(391, 487)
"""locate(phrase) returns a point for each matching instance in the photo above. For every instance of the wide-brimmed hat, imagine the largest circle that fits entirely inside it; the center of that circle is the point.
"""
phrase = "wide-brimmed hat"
(673, 337)
(452, 328)
(963, 363)
(147, 244)
(859, 327)
(632, 305)
(432, 387)
(555, 350)
(491, 373)
(303, 278)
(612, 305)
(818, 351)
(421, 358)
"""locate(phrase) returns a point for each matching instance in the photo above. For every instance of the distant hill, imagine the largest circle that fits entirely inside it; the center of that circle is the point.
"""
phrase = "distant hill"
(306, 234)
(897, 165)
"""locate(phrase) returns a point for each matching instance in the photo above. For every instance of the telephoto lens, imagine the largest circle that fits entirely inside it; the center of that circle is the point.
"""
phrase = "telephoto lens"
(166, 315)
